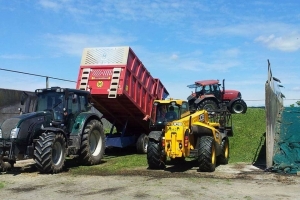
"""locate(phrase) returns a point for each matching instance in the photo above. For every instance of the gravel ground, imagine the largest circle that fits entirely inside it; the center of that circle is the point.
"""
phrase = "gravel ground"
(232, 181)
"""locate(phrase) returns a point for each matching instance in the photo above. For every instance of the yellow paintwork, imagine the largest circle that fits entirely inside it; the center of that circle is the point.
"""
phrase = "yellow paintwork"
(174, 134)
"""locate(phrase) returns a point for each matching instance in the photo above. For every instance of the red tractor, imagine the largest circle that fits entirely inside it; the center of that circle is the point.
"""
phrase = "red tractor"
(208, 95)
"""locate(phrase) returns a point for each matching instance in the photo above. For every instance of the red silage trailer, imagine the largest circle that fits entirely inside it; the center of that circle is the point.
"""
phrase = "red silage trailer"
(123, 90)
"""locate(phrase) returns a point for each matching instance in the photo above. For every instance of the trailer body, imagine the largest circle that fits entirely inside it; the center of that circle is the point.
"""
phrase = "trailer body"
(122, 89)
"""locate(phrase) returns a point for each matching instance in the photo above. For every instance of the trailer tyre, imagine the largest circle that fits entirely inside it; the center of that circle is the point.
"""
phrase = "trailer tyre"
(206, 154)
(208, 105)
(50, 152)
(238, 107)
(92, 144)
(224, 157)
(155, 157)
(142, 144)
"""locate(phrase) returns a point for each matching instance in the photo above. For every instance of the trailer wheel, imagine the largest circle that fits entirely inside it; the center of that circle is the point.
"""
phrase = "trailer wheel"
(50, 152)
(238, 107)
(92, 143)
(208, 104)
(206, 154)
(142, 144)
(156, 159)
(224, 157)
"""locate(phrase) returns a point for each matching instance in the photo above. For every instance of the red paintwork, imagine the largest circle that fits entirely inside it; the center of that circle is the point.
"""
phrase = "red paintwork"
(135, 95)
(230, 94)
(207, 82)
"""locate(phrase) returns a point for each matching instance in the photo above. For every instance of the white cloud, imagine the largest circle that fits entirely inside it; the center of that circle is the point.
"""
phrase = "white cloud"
(48, 4)
(16, 56)
(290, 42)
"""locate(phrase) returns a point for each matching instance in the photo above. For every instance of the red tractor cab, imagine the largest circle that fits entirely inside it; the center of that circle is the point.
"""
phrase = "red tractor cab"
(209, 95)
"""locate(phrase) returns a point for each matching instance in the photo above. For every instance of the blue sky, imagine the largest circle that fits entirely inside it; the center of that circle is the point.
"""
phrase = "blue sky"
(178, 41)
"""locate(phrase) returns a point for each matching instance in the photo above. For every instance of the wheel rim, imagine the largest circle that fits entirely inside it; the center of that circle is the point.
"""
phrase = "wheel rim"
(146, 143)
(57, 153)
(95, 142)
(213, 155)
(208, 107)
(238, 108)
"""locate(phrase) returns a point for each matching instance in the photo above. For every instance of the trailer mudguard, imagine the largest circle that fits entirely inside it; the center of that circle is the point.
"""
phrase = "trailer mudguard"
(155, 135)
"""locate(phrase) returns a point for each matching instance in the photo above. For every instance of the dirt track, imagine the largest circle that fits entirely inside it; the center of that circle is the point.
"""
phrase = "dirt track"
(239, 181)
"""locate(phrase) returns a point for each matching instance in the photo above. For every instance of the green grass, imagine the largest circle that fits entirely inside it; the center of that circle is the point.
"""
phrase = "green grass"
(248, 132)
(2, 185)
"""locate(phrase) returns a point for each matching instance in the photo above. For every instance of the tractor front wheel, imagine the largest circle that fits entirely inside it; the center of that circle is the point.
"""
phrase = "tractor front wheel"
(206, 154)
(238, 107)
(50, 152)
(92, 143)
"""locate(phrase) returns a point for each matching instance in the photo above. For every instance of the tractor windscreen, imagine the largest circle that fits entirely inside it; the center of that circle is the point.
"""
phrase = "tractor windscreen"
(50, 100)
(196, 87)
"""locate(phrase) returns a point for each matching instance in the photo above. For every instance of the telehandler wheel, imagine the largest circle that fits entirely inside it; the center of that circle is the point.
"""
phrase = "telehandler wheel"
(155, 157)
(50, 152)
(92, 143)
(208, 105)
(142, 144)
(206, 154)
(224, 157)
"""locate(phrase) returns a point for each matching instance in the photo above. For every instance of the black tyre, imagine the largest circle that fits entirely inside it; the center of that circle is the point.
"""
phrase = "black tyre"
(238, 107)
(206, 154)
(208, 105)
(92, 144)
(50, 152)
(142, 144)
(224, 157)
(155, 157)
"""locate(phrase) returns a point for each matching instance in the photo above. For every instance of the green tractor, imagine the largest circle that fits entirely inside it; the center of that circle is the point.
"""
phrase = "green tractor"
(63, 125)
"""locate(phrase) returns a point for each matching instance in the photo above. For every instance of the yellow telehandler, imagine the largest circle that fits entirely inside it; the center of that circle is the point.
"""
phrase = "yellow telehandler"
(184, 133)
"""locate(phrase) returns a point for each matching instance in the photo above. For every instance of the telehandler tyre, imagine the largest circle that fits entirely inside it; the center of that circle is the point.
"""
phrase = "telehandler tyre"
(50, 152)
(154, 155)
(206, 154)
(92, 144)
(142, 144)
(224, 157)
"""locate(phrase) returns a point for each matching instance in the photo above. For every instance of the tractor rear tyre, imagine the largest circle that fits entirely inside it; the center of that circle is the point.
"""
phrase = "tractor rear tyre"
(155, 157)
(142, 144)
(92, 143)
(208, 105)
(50, 152)
(238, 107)
(206, 154)
(224, 157)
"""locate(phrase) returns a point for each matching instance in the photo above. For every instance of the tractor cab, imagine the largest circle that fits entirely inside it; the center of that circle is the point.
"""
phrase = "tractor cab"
(63, 104)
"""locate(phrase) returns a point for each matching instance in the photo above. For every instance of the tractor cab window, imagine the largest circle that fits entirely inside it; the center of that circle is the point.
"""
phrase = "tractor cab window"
(49, 101)
(207, 89)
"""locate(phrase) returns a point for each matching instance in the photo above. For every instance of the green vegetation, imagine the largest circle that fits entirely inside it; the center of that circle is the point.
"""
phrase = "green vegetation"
(2, 185)
(248, 137)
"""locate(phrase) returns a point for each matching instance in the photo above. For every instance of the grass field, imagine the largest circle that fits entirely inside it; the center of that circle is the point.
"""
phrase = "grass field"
(245, 145)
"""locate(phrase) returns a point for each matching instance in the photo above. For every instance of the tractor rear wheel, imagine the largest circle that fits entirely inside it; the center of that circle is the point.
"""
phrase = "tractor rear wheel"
(50, 152)
(142, 144)
(206, 154)
(208, 104)
(238, 107)
(224, 157)
(92, 144)
(155, 158)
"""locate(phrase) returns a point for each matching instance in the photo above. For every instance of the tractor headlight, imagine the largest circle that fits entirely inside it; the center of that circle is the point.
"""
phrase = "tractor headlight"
(177, 123)
(0, 133)
(14, 133)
